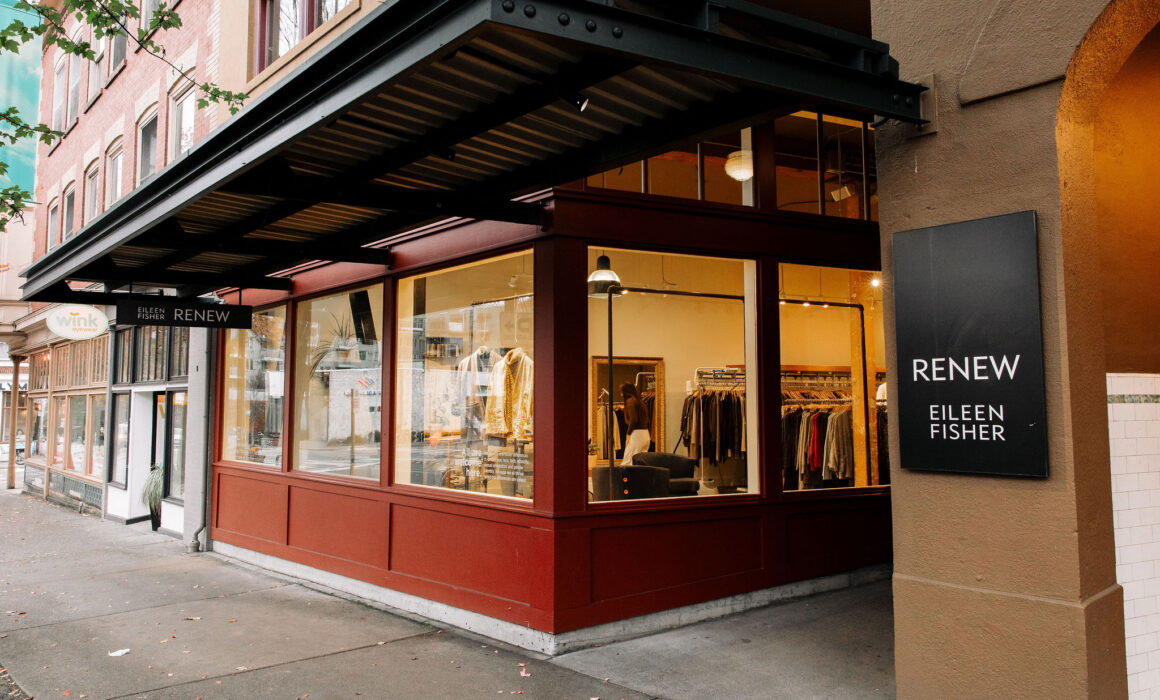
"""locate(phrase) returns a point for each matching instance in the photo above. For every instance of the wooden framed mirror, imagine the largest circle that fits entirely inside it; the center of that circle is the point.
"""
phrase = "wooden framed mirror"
(647, 373)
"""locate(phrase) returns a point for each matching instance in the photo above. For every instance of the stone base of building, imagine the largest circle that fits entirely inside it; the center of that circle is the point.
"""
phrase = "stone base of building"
(430, 611)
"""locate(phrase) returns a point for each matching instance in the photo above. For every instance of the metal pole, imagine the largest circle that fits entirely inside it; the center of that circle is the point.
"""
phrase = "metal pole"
(13, 410)
(611, 418)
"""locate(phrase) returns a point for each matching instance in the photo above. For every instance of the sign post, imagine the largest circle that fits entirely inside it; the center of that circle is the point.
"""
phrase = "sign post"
(971, 394)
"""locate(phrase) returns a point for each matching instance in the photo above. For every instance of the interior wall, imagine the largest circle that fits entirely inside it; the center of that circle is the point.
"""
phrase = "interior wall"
(1127, 148)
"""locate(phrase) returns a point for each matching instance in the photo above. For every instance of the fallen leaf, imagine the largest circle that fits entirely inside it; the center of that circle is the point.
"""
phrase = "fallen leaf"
(191, 619)
(239, 668)
(231, 620)
(380, 643)
(524, 673)
(119, 652)
(68, 692)
(186, 651)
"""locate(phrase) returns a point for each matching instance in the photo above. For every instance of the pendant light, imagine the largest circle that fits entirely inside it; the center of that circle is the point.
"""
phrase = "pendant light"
(602, 278)
(739, 165)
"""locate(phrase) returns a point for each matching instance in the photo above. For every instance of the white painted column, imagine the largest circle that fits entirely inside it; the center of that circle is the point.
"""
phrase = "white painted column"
(198, 434)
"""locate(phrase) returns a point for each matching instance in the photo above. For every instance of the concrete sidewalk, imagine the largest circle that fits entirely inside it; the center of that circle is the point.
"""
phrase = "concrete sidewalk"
(75, 588)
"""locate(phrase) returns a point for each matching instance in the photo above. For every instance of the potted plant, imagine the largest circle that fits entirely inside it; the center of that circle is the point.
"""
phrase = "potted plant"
(152, 494)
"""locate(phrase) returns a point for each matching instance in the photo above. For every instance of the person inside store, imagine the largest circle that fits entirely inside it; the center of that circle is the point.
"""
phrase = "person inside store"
(637, 419)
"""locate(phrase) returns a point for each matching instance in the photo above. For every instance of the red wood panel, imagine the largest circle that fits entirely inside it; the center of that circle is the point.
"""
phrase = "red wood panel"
(254, 507)
(480, 555)
(831, 541)
(337, 525)
(630, 560)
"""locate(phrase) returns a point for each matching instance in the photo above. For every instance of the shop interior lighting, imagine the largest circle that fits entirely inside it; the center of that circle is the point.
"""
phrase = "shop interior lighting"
(875, 282)
(739, 165)
(842, 193)
(602, 278)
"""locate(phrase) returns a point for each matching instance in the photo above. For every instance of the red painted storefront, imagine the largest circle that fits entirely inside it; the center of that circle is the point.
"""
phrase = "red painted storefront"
(559, 562)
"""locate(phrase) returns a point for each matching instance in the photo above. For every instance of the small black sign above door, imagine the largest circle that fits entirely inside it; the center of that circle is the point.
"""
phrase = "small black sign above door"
(971, 395)
(163, 312)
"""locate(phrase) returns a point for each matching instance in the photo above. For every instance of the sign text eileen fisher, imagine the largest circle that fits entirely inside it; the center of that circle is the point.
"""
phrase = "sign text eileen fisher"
(163, 312)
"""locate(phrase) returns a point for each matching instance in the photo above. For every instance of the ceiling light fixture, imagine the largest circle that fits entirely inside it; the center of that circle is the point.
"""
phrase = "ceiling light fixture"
(602, 278)
(739, 165)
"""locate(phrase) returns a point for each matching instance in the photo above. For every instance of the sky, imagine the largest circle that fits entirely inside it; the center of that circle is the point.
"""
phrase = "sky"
(19, 85)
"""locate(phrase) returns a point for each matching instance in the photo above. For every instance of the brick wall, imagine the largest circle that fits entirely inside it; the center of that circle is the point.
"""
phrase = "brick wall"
(1134, 428)
(141, 85)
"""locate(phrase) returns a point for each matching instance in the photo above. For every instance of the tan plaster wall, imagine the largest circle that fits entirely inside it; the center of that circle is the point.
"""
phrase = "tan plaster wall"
(1127, 149)
(1003, 587)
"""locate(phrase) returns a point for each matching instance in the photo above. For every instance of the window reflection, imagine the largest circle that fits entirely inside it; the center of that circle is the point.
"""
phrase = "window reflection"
(337, 384)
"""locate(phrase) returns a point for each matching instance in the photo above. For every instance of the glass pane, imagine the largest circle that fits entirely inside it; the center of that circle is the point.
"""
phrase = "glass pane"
(337, 384)
(183, 125)
(627, 178)
(113, 179)
(74, 86)
(76, 432)
(728, 168)
(832, 353)
(464, 410)
(38, 444)
(160, 413)
(59, 417)
(329, 8)
(283, 28)
(70, 201)
(58, 94)
(175, 477)
(842, 151)
(255, 362)
(97, 438)
(676, 420)
(54, 225)
(120, 438)
(147, 150)
(91, 195)
(119, 42)
(796, 158)
(674, 174)
(179, 355)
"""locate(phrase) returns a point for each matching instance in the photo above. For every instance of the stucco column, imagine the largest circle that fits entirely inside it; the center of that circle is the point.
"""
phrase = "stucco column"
(199, 435)
(1003, 587)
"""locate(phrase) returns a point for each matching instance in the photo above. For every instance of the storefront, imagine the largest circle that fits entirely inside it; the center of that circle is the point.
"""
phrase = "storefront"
(605, 340)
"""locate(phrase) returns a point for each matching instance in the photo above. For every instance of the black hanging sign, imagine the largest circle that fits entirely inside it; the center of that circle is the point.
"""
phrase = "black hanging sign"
(170, 312)
(971, 395)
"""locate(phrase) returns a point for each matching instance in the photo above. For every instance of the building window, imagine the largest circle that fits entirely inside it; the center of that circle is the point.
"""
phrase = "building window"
(338, 383)
(123, 356)
(74, 85)
(148, 9)
(679, 417)
(59, 421)
(117, 51)
(77, 412)
(716, 170)
(465, 354)
(79, 351)
(38, 369)
(284, 23)
(113, 176)
(97, 67)
(255, 361)
(53, 232)
(38, 431)
(152, 354)
(179, 354)
(833, 357)
(169, 439)
(120, 471)
(68, 223)
(147, 149)
(183, 111)
(100, 358)
(60, 366)
(92, 194)
(97, 436)
(59, 92)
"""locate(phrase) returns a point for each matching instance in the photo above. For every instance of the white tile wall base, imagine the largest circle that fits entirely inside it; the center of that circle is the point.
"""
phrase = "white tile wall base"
(534, 640)
(1134, 434)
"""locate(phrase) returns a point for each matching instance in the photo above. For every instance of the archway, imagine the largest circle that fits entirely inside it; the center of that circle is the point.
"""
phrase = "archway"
(1108, 214)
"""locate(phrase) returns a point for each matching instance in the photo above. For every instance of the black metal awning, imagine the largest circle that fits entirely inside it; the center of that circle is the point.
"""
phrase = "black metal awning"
(434, 109)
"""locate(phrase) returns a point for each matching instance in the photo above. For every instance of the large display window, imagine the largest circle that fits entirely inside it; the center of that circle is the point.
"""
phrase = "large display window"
(833, 392)
(338, 383)
(254, 381)
(678, 418)
(463, 378)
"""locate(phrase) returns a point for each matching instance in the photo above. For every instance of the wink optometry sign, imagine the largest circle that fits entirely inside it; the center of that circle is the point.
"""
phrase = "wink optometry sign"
(77, 321)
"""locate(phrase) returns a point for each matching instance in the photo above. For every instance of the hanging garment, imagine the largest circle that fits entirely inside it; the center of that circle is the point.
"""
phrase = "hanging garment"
(509, 403)
(474, 379)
